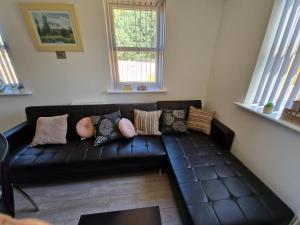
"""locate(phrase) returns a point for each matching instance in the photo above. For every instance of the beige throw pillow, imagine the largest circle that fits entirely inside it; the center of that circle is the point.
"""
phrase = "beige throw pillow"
(51, 130)
(147, 123)
(199, 120)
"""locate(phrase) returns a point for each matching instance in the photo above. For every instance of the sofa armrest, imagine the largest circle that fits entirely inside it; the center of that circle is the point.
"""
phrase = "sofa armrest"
(18, 136)
(222, 134)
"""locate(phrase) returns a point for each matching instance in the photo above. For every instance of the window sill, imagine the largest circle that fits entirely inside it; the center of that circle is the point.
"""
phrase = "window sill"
(275, 117)
(16, 92)
(113, 91)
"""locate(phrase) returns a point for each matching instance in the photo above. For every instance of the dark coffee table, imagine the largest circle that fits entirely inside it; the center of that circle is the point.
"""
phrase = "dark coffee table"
(144, 216)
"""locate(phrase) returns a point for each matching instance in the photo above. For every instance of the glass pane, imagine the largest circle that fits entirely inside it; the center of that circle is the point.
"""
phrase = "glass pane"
(7, 72)
(1, 42)
(135, 28)
(137, 66)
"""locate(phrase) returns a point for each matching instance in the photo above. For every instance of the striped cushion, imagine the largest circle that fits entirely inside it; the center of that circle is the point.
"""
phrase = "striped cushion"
(147, 123)
(199, 120)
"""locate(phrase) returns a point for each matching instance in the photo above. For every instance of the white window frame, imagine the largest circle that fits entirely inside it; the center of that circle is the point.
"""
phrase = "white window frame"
(277, 54)
(8, 70)
(113, 49)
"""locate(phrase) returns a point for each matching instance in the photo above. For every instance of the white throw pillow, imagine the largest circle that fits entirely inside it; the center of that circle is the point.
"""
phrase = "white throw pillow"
(147, 123)
(51, 130)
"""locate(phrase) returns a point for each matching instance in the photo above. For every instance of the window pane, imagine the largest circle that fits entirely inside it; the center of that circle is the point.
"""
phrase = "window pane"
(7, 72)
(136, 42)
(137, 66)
(279, 82)
(1, 42)
(135, 28)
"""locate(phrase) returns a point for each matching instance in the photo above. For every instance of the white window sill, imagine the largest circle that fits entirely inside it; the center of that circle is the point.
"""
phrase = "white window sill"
(15, 92)
(275, 116)
(115, 91)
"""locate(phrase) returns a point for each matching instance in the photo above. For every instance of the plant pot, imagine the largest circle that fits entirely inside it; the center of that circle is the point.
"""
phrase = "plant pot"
(268, 110)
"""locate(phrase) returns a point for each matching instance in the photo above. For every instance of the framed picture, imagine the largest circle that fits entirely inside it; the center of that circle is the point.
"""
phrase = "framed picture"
(53, 27)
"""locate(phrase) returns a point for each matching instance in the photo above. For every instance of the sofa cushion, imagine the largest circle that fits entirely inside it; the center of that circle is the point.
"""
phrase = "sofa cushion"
(199, 120)
(82, 155)
(173, 121)
(214, 182)
(51, 130)
(127, 128)
(106, 127)
(147, 123)
(85, 128)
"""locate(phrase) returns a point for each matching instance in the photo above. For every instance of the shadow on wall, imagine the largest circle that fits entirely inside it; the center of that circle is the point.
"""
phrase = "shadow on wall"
(11, 118)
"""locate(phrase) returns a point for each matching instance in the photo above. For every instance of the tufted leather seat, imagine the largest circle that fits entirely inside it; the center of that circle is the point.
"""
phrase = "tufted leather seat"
(216, 188)
(78, 151)
(80, 158)
(84, 156)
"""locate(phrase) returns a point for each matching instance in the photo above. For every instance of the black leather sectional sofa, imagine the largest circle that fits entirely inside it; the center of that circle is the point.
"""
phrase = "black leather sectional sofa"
(211, 186)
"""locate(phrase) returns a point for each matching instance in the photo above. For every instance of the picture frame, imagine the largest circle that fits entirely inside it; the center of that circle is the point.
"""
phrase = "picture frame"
(53, 26)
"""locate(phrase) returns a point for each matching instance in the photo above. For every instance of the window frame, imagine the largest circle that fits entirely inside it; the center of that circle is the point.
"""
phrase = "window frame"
(257, 96)
(158, 50)
(13, 84)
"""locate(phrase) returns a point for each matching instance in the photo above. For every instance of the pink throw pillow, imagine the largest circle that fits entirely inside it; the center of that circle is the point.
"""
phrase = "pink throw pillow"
(85, 128)
(126, 128)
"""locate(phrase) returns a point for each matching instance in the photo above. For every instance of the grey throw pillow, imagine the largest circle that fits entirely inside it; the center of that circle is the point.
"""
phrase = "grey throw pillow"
(173, 121)
(106, 127)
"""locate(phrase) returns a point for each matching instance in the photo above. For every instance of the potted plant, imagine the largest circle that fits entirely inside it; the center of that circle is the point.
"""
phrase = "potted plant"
(268, 108)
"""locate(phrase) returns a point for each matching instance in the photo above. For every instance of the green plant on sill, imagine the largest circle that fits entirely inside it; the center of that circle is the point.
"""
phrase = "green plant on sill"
(269, 105)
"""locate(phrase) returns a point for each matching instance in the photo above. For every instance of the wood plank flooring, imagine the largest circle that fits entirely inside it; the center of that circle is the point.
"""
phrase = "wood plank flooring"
(62, 204)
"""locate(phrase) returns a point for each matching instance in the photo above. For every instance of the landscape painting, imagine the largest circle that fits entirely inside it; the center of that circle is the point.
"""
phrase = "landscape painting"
(53, 27)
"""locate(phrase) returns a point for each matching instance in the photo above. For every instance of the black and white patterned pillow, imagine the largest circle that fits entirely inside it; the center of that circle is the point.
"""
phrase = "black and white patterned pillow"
(173, 121)
(106, 127)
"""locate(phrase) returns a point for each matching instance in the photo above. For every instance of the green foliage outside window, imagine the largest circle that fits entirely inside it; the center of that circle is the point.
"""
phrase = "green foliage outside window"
(135, 28)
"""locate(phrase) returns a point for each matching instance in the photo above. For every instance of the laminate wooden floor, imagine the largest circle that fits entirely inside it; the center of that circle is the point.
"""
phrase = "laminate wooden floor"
(62, 204)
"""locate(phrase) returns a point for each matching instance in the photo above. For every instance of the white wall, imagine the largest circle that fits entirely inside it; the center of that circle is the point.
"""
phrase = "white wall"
(86, 76)
(268, 149)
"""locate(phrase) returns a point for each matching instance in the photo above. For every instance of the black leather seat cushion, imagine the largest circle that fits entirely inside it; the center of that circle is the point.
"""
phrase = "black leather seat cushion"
(82, 156)
(217, 188)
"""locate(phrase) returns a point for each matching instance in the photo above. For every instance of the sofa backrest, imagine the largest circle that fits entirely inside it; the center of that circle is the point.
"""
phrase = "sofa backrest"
(77, 112)
(184, 104)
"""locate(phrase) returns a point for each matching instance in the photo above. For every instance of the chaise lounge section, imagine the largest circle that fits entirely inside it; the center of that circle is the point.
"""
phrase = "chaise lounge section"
(210, 184)
(214, 187)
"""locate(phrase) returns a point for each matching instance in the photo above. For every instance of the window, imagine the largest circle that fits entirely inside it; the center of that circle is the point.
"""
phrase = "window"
(9, 81)
(279, 78)
(136, 39)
